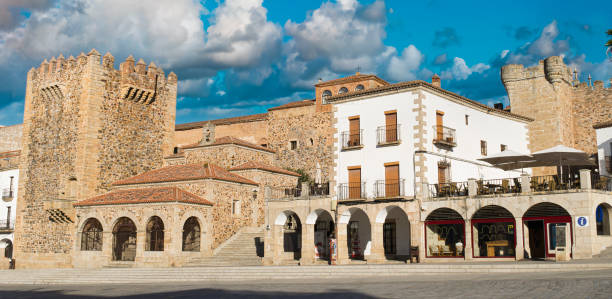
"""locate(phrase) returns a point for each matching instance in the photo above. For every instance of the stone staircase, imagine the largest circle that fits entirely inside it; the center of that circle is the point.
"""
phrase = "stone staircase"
(245, 248)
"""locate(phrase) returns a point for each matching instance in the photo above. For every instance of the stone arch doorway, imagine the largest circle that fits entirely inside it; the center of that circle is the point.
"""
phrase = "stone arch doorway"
(324, 229)
(291, 230)
(358, 234)
(444, 234)
(155, 234)
(91, 235)
(191, 234)
(493, 233)
(395, 233)
(602, 219)
(124, 240)
(546, 225)
(7, 245)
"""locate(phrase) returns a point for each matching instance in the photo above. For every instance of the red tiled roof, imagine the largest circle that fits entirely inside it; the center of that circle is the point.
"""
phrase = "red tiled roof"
(177, 173)
(262, 166)
(10, 154)
(603, 125)
(295, 104)
(231, 140)
(222, 121)
(145, 195)
(352, 78)
(416, 83)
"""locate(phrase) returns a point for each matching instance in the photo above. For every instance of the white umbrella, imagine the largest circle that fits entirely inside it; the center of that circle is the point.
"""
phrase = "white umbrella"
(562, 155)
(506, 156)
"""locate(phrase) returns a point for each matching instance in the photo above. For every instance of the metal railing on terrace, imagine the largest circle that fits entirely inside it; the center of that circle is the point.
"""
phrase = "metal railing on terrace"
(351, 139)
(453, 189)
(601, 182)
(389, 189)
(388, 134)
(498, 186)
(319, 189)
(352, 191)
(444, 135)
(553, 183)
(283, 193)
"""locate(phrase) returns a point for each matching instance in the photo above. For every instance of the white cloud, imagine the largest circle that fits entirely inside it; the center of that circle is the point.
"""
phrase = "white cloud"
(460, 71)
(403, 67)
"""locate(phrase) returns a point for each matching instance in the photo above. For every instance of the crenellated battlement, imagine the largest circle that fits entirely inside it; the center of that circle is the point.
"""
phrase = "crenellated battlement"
(138, 82)
(551, 68)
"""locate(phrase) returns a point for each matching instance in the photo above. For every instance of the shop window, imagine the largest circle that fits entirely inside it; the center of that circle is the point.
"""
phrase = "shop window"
(444, 234)
(483, 147)
(155, 234)
(91, 237)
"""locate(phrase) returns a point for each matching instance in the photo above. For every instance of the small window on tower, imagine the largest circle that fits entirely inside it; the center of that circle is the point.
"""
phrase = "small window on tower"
(293, 144)
(176, 149)
(311, 142)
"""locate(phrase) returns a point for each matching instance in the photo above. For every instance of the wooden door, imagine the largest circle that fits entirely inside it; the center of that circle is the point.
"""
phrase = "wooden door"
(442, 174)
(354, 136)
(391, 126)
(392, 180)
(354, 185)
(439, 125)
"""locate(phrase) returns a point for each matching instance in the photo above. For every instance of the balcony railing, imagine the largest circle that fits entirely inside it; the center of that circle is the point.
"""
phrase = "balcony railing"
(444, 136)
(319, 189)
(453, 189)
(352, 139)
(7, 194)
(389, 189)
(388, 134)
(601, 182)
(608, 162)
(7, 225)
(553, 183)
(351, 191)
(284, 192)
(498, 186)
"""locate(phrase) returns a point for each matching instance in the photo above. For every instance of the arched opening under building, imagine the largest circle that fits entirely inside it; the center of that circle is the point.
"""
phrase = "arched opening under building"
(493, 232)
(124, 240)
(7, 245)
(546, 226)
(358, 234)
(291, 229)
(91, 235)
(155, 234)
(602, 219)
(191, 234)
(444, 234)
(396, 233)
(323, 232)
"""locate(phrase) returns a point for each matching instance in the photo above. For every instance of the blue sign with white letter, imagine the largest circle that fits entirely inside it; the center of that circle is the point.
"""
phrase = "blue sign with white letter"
(582, 221)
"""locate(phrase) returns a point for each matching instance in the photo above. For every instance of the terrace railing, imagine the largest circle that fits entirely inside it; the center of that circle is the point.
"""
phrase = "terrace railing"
(553, 183)
(453, 189)
(601, 182)
(498, 186)
(319, 189)
(388, 134)
(389, 189)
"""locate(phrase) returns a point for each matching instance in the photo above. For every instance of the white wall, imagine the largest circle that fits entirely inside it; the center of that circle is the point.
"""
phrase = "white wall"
(604, 148)
(494, 129)
(5, 183)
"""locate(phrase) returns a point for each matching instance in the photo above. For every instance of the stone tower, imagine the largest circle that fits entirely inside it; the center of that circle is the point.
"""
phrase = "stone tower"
(86, 125)
(563, 109)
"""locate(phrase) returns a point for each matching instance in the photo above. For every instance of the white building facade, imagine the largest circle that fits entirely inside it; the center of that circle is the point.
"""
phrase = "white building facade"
(9, 178)
(413, 133)
(604, 147)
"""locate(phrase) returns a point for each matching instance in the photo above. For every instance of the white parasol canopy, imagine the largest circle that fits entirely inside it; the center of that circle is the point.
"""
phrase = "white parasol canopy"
(560, 153)
(507, 156)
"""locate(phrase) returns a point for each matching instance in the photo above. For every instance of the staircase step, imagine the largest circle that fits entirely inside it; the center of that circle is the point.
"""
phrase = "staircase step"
(240, 250)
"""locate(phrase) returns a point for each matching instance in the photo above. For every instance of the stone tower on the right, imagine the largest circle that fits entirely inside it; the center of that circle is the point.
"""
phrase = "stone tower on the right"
(564, 110)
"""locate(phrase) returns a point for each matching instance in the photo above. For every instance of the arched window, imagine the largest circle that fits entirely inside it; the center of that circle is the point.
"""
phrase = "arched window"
(155, 234)
(326, 93)
(124, 240)
(602, 219)
(343, 90)
(91, 237)
(359, 87)
(191, 235)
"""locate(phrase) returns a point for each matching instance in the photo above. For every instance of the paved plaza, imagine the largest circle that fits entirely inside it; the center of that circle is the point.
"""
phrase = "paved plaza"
(583, 284)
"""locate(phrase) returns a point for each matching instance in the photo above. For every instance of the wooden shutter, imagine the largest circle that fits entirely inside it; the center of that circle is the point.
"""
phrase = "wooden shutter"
(392, 180)
(354, 184)
(354, 138)
(439, 125)
(391, 126)
(442, 174)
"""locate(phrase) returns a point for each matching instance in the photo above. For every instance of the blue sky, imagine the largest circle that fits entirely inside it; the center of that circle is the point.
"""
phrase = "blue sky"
(239, 57)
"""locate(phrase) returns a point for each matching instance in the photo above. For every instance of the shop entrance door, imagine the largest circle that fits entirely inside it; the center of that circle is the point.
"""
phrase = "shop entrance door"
(355, 250)
(389, 239)
(536, 239)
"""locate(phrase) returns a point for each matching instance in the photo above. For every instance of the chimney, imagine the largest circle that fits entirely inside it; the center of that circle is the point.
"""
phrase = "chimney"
(498, 106)
(435, 81)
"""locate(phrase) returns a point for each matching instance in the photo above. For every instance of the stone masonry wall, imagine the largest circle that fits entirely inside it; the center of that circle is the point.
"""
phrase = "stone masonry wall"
(592, 105)
(10, 138)
(313, 132)
(227, 155)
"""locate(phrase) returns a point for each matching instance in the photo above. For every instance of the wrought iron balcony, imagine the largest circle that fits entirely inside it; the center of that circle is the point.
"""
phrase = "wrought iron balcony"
(386, 135)
(352, 191)
(389, 189)
(444, 136)
(7, 225)
(7, 194)
(352, 140)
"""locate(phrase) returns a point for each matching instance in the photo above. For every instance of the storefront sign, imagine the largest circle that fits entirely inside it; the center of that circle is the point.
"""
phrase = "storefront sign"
(582, 221)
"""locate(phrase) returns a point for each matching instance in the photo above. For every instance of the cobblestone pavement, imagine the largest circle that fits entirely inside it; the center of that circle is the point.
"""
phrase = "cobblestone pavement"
(587, 284)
